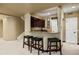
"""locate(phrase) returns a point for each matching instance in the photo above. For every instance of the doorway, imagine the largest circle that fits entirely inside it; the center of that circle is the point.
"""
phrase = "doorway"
(71, 30)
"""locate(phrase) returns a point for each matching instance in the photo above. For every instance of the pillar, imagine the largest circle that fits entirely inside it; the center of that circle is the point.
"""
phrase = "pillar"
(61, 22)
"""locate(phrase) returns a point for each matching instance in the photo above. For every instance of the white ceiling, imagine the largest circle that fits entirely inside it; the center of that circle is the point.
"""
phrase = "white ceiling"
(19, 9)
(70, 8)
(47, 12)
(67, 8)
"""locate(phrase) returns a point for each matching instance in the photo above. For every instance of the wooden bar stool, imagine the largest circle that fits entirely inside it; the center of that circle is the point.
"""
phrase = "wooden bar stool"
(37, 43)
(56, 45)
(27, 41)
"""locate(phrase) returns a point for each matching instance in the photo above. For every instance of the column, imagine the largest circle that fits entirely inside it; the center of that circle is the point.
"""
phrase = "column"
(27, 23)
(61, 23)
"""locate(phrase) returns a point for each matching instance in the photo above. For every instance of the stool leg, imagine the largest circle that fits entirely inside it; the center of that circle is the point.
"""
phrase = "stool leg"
(47, 45)
(23, 42)
(60, 49)
(35, 44)
(31, 46)
(38, 47)
(50, 48)
(56, 47)
(42, 46)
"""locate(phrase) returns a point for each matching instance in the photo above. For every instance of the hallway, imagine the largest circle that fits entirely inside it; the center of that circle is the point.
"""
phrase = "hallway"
(15, 48)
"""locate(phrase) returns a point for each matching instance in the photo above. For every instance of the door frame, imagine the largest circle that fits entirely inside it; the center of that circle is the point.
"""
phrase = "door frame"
(65, 28)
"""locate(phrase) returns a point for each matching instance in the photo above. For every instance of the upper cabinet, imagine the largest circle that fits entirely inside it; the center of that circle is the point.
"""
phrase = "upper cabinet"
(36, 22)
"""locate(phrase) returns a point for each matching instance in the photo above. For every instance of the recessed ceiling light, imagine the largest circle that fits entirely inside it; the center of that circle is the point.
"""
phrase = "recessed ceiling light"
(73, 7)
(48, 13)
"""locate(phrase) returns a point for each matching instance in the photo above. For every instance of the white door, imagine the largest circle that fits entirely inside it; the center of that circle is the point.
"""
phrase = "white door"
(71, 30)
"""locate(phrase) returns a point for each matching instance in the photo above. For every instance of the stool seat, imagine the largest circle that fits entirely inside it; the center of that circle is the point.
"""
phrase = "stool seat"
(37, 39)
(54, 40)
(28, 36)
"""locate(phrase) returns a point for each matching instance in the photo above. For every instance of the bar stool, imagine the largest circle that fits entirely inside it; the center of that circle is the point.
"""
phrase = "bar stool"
(57, 47)
(28, 41)
(37, 43)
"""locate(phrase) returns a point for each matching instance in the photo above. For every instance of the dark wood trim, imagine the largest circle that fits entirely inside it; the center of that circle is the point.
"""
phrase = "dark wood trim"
(64, 41)
(77, 43)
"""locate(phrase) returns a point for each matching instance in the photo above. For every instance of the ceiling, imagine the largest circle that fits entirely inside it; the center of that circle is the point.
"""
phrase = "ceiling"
(70, 8)
(48, 12)
(19, 9)
(67, 8)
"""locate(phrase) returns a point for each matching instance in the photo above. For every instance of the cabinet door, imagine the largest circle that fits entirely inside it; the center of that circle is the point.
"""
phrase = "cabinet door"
(32, 23)
(39, 23)
(43, 23)
(35, 22)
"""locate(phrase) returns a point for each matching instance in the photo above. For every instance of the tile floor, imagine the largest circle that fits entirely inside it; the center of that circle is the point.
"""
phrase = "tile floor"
(15, 48)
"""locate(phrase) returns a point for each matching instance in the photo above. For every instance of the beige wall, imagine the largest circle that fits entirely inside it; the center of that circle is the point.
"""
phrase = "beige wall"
(19, 26)
(12, 28)
(1, 28)
(8, 29)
